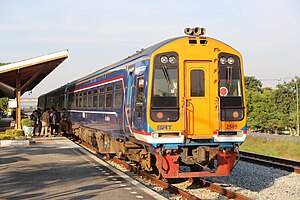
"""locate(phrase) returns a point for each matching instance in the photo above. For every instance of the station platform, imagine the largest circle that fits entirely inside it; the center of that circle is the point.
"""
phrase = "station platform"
(57, 168)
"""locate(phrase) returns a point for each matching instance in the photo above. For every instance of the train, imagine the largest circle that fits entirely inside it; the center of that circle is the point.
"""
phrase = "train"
(176, 109)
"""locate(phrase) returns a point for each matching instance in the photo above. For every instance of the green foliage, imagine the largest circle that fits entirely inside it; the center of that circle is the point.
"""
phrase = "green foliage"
(3, 64)
(19, 132)
(271, 110)
(27, 122)
(272, 147)
(4, 105)
(12, 134)
(7, 137)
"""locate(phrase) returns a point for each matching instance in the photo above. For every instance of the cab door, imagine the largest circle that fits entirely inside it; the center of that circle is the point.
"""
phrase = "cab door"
(197, 95)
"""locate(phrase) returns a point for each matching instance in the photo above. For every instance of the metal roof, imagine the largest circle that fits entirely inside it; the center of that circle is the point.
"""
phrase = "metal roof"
(139, 54)
(32, 72)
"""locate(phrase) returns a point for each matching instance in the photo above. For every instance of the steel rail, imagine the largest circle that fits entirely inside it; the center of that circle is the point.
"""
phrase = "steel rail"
(279, 163)
(173, 189)
(167, 186)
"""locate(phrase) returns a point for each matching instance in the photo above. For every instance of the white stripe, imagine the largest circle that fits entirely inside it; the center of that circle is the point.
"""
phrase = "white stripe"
(105, 83)
(94, 112)
(122, 175)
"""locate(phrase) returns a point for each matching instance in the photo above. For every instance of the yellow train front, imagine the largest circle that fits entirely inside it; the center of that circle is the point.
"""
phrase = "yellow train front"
(196, 115)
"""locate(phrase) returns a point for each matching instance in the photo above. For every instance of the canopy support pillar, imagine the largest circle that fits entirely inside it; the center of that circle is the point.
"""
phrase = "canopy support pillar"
(18, 97)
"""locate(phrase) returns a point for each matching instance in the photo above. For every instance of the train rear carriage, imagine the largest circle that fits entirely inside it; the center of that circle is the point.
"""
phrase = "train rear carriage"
(178, 103)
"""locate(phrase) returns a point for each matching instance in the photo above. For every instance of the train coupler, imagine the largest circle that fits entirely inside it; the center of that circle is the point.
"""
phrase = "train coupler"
(169, 166)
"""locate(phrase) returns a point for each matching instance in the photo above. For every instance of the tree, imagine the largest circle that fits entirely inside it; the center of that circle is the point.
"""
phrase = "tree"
(3, 64)
(4, 105)
(270, 109)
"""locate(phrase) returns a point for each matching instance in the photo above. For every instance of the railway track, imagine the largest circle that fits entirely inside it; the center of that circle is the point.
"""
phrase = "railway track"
(279, 163)
(167, 186)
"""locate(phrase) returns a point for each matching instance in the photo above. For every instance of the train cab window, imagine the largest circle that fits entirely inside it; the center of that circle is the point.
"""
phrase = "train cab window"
(165, 82)
(230, 78)
(80, 101)
(139, 97)
(197, 83)
(90, 99)
(108, 96)
(101, 98)
(95, 98)
(117, 95)
(84, 99)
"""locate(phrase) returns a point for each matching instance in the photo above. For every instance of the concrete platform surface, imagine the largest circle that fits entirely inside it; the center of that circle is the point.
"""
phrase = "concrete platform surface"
(56, 168)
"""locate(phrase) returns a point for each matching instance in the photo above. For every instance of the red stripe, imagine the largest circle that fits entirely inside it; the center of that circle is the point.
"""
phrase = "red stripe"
(141, 132)
(99, 83)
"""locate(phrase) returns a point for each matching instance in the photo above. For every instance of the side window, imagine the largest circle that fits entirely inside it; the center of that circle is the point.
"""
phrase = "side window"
(139, 97)
(197, 83)
(95, 98)
(70, 100)
(101, 97)
(90, 99)
(118, 95)
(76, 100)
(108, 96)
(84, 96)
(80, 100)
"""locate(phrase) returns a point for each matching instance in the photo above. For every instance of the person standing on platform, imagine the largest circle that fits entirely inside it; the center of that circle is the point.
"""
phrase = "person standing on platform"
(54, 120)
(36, 118)
(65, 125)
(45, 119)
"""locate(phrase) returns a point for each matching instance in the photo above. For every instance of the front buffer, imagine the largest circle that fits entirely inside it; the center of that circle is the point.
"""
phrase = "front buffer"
(168, 164)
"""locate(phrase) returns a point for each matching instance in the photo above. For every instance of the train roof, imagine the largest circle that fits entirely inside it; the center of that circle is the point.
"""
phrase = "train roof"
(139, 54)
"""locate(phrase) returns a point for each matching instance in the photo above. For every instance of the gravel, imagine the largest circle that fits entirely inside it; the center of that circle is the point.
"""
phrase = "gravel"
(259, 182)
(202, 193)
(251, 180)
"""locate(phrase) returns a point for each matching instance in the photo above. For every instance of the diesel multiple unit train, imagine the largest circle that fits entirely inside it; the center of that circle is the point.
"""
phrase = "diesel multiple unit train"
(176, 108)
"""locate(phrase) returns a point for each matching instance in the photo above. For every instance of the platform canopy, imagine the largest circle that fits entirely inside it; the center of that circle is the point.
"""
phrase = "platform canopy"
(31, 72)
(19, 77)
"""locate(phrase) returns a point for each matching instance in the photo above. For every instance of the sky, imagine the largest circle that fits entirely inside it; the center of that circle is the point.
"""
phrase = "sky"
(98, 33)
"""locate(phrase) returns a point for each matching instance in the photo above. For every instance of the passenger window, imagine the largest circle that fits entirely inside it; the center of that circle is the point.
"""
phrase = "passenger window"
(70, 100)
(76, 100)
(139, 97)
(108, 94)
(80, 100)
(95, 97)
(90, 99)
(101, 97)
(118, 95)
(84, 99)
(197, 83)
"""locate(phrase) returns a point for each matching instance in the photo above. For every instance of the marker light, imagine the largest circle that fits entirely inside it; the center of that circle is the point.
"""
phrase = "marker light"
(235, 114)
(230, 60)
(172, 60)
(164, 59)
(223, 60)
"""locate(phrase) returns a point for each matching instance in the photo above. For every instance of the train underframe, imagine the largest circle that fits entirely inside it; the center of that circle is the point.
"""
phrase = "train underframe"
(184, 162)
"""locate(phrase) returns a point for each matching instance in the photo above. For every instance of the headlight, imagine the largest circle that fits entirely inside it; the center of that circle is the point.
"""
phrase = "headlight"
(230, 60)
(172, 60)
(164, 59)
(223, 60)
